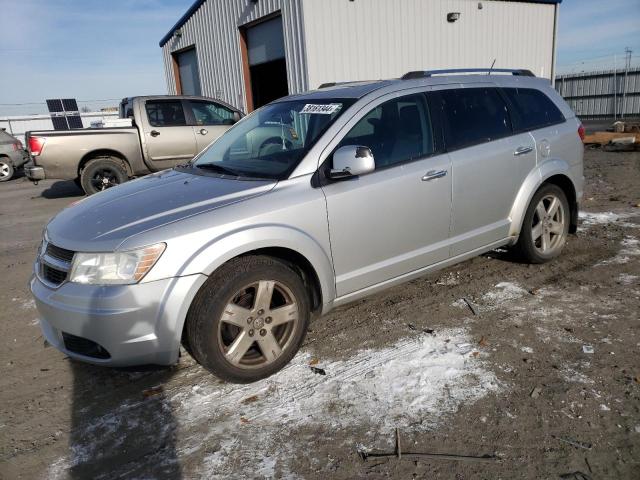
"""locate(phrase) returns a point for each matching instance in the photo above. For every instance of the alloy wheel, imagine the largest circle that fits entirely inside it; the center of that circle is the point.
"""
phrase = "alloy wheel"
(258, 324)
(548, 229)
(5, 170)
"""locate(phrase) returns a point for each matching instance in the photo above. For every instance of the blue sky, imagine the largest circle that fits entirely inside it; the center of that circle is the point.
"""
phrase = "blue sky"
(103, 49)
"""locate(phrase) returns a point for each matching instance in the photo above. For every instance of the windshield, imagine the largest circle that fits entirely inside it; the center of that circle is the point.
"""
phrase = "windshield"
(271, 141)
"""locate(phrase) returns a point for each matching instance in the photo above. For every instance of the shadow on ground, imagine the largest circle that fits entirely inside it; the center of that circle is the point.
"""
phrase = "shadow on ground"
(63, 189)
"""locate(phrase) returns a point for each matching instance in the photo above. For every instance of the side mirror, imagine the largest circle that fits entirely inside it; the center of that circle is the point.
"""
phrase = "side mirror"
(236, 117)
(351, 161)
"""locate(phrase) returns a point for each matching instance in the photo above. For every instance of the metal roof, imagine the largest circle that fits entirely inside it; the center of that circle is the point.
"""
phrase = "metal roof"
(198, 3)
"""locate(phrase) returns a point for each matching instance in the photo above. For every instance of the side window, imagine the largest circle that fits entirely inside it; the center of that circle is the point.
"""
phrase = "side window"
(532, 109)
(474, 115)
(209, 113)
(396, 131)
(165, 113)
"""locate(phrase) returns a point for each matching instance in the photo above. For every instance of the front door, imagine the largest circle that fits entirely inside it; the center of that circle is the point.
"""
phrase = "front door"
(209, 121)
(169, 139)
(396, 219)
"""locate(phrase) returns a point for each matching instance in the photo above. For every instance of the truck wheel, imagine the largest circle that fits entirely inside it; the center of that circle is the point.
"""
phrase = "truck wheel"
(546, 225)
(102, 173)
(249, 319)
(6, 170)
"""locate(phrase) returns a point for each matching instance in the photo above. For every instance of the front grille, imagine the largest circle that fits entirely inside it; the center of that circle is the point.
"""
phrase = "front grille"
(84, 346)
(53, 275)
(59, 253)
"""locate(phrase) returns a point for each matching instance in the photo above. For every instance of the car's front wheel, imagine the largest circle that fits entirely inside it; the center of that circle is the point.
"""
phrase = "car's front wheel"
(546, 225)
(249, 319)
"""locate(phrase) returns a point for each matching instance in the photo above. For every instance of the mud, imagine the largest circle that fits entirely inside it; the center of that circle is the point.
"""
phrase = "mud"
(488, 357)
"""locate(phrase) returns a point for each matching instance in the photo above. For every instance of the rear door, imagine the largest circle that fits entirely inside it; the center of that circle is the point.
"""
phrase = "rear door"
(489, 163)
(168, 138)
(209, 120)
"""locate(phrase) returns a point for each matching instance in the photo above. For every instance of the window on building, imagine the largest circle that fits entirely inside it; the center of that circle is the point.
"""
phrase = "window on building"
(210, 113)
(396, 131)
(532, 109)
(165, 113)
(473, 115)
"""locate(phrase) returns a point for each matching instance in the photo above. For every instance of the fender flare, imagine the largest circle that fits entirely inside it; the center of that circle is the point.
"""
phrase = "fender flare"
(528, 189)
(220, 250)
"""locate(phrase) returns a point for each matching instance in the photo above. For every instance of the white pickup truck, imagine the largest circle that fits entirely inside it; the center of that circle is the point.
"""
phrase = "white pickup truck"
(164, 131)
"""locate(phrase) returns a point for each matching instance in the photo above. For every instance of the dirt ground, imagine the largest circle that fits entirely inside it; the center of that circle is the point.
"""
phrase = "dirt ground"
(536, 366)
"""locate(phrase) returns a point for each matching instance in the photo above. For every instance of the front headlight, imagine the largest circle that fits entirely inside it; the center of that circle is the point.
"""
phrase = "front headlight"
(114, 268)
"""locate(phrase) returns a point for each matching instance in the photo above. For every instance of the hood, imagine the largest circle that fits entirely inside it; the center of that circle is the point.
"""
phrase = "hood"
(103, 221)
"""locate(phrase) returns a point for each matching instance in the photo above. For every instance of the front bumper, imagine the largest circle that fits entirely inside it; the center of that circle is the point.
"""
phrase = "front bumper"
(34, 172)
(131, 324)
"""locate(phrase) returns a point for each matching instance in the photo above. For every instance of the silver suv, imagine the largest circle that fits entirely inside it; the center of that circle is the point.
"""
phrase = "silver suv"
(310, 202)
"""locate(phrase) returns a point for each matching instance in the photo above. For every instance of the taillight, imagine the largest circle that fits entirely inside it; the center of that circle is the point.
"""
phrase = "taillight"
(581, 132)
(36, 144)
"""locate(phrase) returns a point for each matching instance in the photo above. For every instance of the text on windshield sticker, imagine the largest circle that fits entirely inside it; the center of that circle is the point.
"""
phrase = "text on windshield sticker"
(326, 109)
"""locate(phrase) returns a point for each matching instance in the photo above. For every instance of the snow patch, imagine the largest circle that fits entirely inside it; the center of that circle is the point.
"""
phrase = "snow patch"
(589, 219)
(630, 249)
(504, 292)
(627, 279)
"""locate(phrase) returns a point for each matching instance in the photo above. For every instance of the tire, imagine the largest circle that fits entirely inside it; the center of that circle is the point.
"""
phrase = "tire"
(226, 328)
(102, 173)
(78, 183)
(6, 170)
(542, 241)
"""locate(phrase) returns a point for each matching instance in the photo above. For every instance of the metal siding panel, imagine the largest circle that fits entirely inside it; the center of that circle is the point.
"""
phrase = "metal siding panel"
(213, 29)
(383, 39)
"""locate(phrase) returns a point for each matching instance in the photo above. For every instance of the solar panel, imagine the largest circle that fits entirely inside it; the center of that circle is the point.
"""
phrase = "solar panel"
(55, 105)
(74, 121)
(64, 113)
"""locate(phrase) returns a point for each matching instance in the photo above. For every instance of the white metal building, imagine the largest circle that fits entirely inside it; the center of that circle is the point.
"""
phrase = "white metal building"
(249, 52)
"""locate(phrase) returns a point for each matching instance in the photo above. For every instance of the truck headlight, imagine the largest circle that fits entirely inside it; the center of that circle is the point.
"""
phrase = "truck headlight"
(114, 268)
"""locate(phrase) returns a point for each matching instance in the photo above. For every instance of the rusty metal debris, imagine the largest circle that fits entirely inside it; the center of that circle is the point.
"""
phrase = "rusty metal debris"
(573, 442)
(366, 454)
(471, 305)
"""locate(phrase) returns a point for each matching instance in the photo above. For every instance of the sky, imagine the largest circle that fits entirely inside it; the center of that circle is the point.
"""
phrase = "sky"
(108, 49)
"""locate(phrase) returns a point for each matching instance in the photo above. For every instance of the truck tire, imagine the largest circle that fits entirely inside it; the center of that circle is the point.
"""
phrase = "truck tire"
(249, 319)
(102, 173)
(6, 169)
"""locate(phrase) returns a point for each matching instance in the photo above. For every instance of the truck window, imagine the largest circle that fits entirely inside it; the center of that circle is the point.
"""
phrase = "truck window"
(165, 113)
(210, 113)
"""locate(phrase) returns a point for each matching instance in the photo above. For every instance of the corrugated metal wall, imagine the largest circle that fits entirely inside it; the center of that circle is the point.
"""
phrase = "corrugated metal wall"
(596, 95)
(371, 39)
(213, 28)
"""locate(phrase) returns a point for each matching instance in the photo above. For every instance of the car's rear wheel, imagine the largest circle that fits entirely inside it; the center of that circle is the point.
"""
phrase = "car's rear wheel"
(102, 173)
(249, 319)
(546, 225)
(6, 170)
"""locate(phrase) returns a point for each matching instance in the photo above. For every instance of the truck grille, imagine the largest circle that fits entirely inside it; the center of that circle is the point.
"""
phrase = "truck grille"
(59, 253)
(84, 346)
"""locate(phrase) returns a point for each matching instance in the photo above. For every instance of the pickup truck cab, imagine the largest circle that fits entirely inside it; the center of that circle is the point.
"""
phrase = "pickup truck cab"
(165, 131)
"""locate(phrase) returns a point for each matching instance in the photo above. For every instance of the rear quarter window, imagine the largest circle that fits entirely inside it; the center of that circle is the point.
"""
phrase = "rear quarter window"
(532, 109)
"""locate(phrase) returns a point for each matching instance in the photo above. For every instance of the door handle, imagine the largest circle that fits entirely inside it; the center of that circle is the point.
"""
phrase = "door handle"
(154, 133)
(433, 174)
(522, 150)
(203, 131)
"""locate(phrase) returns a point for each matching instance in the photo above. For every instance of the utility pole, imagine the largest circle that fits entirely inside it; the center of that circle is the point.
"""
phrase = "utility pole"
(627, 65)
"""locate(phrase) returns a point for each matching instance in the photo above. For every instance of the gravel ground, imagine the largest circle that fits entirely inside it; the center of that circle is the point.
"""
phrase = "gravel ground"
(490, 357)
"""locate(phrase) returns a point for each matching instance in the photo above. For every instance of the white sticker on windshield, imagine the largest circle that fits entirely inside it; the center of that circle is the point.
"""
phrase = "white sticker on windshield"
(326, 109)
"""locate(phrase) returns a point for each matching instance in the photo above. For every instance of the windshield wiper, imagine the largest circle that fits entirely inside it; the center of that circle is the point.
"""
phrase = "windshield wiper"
(217, 168)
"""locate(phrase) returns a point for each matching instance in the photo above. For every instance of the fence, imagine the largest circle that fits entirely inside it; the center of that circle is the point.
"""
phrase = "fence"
(605, 94)
(19, 124)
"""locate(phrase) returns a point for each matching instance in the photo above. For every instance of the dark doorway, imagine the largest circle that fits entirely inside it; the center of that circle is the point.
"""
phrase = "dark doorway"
(268, 81)
(186, 72)
(265, 67)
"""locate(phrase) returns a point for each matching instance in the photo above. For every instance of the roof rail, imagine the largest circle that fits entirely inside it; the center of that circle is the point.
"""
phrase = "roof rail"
(454, 71)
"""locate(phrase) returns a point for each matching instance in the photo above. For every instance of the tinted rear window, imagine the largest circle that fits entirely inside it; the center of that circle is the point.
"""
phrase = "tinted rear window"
(532, 109)
(165, 113)
(473, 115)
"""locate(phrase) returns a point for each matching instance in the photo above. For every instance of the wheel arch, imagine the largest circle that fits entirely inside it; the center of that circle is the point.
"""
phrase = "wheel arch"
(105, 153)
(556, 172)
